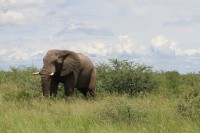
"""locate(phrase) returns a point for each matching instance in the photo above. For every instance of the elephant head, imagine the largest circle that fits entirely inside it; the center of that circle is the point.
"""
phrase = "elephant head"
(57, 62)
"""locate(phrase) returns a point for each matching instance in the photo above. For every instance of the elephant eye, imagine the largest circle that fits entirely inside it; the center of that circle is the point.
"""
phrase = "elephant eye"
(59, 60)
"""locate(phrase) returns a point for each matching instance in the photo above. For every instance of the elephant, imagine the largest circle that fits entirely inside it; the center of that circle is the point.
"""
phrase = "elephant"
(74, 70)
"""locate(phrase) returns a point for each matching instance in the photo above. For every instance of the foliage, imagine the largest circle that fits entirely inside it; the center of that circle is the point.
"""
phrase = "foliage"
(19, 83)
(125, 77)
(189, 104)
(191, 79)
(173, 82)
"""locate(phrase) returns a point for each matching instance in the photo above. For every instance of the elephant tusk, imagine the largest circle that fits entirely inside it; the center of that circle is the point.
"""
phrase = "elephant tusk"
(51, 74)
(36, 73)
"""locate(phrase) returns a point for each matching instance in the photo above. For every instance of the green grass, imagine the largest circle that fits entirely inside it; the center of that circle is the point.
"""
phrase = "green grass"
(24, 110)
(151, 114)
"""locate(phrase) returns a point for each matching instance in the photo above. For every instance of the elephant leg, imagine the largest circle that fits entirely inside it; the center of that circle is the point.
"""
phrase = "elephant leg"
(53, 88)
(92, 85)
(84, 91)
(69, 90)
(69, 85)
(92, 93)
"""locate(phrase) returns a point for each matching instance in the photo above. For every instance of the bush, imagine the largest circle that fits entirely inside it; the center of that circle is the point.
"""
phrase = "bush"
(191, 79)
(19, 83)
(124, 77)
(189, 105)
(173, 79)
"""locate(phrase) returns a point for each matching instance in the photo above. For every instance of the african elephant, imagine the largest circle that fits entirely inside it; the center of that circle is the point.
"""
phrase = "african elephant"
(74, 70)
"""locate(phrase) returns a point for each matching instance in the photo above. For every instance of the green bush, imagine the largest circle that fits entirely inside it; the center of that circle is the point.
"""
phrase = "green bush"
(124, 77)
(191, 79)
(173, 80)
(19, 83)
(189, 104)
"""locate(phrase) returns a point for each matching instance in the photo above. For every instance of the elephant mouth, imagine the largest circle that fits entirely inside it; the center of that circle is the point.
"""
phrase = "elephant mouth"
(45, 78)
(46, 74)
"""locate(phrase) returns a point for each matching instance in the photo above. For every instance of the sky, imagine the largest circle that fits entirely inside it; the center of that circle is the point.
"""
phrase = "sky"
(164, 34)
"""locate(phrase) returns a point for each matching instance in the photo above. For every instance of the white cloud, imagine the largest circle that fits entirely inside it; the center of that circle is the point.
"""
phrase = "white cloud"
(167, 47)
(123, 46)
(128, 47)
(95, 48)
(164, 46)
(36, 53)
(12, 17)
(192, 52)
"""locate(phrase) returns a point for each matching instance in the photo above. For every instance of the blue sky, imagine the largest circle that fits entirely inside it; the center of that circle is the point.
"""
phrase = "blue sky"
(160, 33)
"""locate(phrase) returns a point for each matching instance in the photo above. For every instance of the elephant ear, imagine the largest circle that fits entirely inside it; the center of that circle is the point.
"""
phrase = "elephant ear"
(71, 62)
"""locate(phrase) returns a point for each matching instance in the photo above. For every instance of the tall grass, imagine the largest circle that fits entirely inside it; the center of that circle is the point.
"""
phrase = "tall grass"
(171, 106)
(111, 114)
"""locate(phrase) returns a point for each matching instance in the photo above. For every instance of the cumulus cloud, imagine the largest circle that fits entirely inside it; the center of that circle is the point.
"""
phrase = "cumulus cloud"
(163, 46)
(191, 52)
(124, 46)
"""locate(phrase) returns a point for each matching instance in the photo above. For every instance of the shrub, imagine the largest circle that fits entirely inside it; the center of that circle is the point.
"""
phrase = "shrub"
(191, 79)
(173, 79)
(19, 83)
(189, 105)
(124, 77)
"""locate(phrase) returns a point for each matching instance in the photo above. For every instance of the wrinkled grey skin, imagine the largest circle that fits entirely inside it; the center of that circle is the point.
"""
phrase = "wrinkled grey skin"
(74, 70)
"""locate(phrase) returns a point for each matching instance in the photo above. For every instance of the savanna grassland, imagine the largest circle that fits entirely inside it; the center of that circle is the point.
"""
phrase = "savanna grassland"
(130, 98)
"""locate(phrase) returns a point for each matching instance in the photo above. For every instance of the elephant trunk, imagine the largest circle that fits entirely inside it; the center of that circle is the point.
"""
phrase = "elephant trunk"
(46, 73)
(45, 86)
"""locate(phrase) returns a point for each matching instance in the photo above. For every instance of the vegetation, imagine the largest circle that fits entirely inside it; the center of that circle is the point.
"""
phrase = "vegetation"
(131, 98)
(123, 77)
